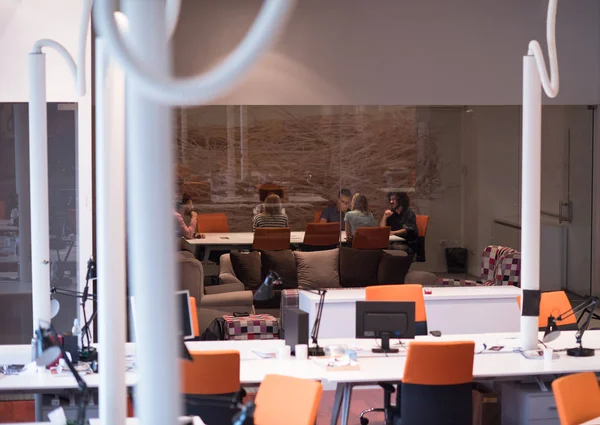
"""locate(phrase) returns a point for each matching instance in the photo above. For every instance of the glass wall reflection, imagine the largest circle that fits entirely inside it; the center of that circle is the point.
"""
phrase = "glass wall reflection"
(459, 165)
(15, 216)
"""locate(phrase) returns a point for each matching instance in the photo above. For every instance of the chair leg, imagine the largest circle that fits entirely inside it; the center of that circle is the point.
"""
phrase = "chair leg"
(365, 421)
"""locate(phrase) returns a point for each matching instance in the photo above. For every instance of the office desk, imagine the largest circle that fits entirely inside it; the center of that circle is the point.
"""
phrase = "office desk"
(490, 366)
(244, 239)
(453, 310)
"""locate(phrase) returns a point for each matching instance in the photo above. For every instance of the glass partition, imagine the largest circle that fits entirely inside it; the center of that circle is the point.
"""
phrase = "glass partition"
(460, 166)
(15, 213)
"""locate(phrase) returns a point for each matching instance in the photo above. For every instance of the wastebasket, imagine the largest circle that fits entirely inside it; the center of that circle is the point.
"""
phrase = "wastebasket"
(456, 260)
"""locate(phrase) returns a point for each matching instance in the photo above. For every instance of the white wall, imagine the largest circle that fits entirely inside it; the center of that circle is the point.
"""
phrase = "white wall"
(429, 52)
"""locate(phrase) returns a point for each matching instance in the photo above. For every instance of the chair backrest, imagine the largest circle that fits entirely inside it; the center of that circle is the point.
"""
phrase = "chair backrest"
(212, 223)
(555, 303)
(438, 374)
(406, 292)
(211, 372)
(322, 234)
(422, 223)
(577, 398)
(271, 239)
(284, 399)
(371, 238)
(191, 276)
(317, 216)
(194, 313)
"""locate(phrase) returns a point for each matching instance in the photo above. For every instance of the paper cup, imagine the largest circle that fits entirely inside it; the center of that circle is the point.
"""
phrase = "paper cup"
(284, 352)
(301, 351)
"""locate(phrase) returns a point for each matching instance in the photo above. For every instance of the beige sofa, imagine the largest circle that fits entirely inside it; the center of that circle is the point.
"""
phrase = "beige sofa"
(227, 276)
(211, 301)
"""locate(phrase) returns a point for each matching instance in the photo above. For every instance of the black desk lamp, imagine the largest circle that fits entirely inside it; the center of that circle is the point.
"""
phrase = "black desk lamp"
(265, 293)
(87, 352)
(552, 330)
(48, 350)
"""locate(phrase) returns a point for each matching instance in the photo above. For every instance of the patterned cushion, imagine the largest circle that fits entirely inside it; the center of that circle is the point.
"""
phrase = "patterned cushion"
(442, 281)
(254, 326)
(500, 265)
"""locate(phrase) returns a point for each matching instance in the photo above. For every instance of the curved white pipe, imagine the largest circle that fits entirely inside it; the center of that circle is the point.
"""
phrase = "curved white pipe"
(550, 85)
(198, 89)
(84, 24)
(172, 9)
(61, 50)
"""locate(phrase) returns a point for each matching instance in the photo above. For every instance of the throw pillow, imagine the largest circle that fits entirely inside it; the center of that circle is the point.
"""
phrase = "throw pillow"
(393, 267)
(246, 266)
(318, 268)
(284, 264)
(358, 267)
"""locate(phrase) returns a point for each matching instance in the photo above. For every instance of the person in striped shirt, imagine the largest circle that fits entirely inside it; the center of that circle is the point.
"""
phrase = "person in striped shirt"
(272, 216)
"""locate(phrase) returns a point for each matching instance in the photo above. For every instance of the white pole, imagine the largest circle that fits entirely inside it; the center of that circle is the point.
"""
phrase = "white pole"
(150, 194)
(110, 234)
(38, 173)
(531, 195)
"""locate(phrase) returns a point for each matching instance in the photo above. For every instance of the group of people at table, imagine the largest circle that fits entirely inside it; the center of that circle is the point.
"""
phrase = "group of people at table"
(351, 211)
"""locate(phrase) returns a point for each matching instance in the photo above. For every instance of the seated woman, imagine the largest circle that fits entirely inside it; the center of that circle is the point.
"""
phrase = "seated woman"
(185, 229)
(272, 215)
(265, 190)
(402, 221)
(359, 216)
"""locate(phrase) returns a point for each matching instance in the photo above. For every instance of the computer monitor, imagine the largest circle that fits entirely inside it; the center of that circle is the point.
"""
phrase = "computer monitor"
(186, 327)
(385, 320)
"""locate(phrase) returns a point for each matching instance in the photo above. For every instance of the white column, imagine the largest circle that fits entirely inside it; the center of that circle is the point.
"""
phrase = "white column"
(531, 194)
(22, 177)
(150, 195)
(110, 236)
(38, 173)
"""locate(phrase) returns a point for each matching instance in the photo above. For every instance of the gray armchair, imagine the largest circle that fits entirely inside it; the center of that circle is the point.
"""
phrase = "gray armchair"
(212, 301)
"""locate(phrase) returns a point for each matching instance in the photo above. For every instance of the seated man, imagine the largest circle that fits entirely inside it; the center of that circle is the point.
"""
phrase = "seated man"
(402, 221)
(335, 213)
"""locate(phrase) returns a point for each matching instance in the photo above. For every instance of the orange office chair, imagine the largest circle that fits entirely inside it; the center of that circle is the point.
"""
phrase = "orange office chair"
(271, 239)
(436, 387)
(371, 238)
(209, 384)
(422, 223)
(194, 311)
(406, 292)
(317, 216)
(284, 399)
(322, 235)
(577, 398)
(554, 303)
(212, 223)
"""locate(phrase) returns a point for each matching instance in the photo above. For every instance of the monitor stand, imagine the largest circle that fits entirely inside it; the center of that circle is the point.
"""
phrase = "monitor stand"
(385, 345)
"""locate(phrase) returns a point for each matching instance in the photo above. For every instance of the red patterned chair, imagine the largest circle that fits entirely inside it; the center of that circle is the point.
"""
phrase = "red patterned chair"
(500, 265)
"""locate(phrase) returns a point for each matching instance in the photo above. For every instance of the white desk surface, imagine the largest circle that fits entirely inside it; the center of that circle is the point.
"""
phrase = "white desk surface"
(592, 422)
(373, 368)
(246, 238)
(450, 293)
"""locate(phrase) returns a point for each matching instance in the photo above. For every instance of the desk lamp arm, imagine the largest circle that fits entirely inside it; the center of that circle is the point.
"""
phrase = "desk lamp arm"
(583, 306)
(590, 308)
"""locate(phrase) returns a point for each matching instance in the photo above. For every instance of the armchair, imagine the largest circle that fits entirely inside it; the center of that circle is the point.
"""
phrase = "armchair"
(213, 301)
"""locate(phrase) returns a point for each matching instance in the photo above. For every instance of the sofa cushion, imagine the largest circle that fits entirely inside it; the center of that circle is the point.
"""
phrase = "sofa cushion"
(246, 266)
(318, 268)
(284, 264)
(393, 267)
(359, 267)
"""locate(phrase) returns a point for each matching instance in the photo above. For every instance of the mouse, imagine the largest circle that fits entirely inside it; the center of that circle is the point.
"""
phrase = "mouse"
(94, 366)
(436, 333)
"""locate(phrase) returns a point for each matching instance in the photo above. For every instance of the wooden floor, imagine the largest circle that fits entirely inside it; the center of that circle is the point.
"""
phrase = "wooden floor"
(361, 400)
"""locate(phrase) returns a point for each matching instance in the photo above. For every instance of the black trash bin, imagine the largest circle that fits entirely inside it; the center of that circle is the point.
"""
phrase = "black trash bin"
(456, 260)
